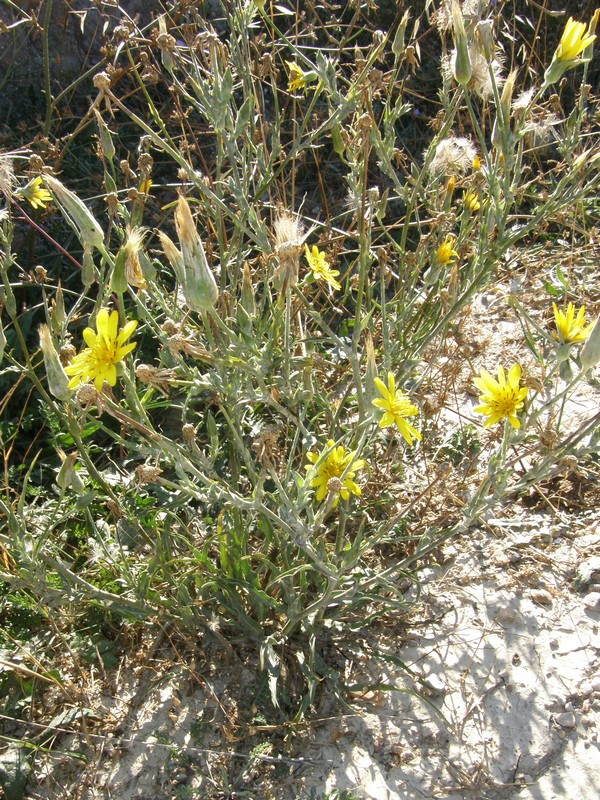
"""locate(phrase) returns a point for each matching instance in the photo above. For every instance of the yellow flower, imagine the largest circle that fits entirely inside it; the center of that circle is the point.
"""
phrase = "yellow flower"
(36, 193)
(297, 78)
(573, 42)
(575, 46)
(321, 269)
(571, 328)
(105, 349)
(446, 252)
(472, 201)
(397, 407)
(502, 398)
(333, 471)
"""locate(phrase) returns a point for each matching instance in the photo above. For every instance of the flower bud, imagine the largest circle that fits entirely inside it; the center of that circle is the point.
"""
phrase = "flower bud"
(248, 299)
(58, 315)
(107, 145)
(173, 255)
(588, 53)
(75, 212)
(590, 352)
(58, 382)
(371, 372)
(88, 273)
(484, 33)
(68, 475)
(398, 45)
(132, 248)
(501, 132)
(2, 341)
(462, 68)
(199, 284)
(118, 278)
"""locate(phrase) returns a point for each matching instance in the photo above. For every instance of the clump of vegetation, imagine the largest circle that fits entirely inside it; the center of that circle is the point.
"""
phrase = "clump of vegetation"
(244, 392)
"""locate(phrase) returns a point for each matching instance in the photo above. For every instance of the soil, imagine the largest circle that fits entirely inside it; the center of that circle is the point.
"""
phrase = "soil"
(499, 695)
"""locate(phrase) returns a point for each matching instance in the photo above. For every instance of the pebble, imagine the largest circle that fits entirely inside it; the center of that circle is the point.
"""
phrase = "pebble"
(435, 684)
(586, 689)
(554, 704)
(506, 615)
(541, 597)
(587, 571)
(566, 719)
(595, 683)
(592, 601)
(569, 707)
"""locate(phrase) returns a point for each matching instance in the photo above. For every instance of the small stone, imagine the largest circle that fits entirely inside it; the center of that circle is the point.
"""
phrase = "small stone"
(554, 704)
(592, 601)
(554, 644)
(587, 571)
(541, 597)
(595, 682)
(569, 707)
(505, 616)
(566, 719)
(585, 689)
(435, 684)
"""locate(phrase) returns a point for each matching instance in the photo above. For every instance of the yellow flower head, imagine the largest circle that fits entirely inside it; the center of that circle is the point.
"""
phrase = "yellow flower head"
(36, 194)
(576, 37)
(571, 328)
(472, 201)
(297, 78)
(502, 398)
(105, 349)
(321, 268)
(397, 407)
(333, 471)
(446, 252)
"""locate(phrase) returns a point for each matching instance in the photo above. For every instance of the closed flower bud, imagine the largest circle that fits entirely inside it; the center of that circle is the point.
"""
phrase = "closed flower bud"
(173, 255)
(398, 45)
(58, 315)
(58, 382)
(75, 212)
(89, 272)
(107, 145)
(2, 341)
(248, 298)
(118, 278)
(68, 475)
(199, 284)
(371, 372)
(484, 33)
(461, 60)
(590, 353)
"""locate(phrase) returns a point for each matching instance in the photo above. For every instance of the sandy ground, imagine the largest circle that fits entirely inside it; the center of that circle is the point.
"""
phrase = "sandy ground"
(500, 697)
